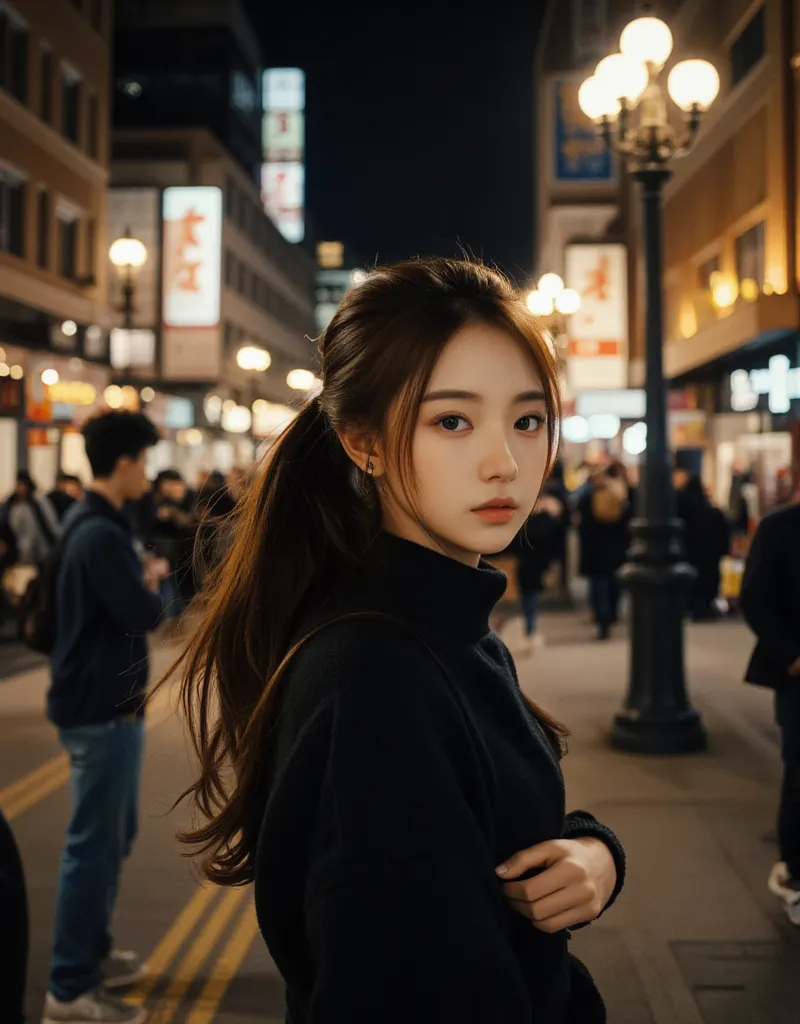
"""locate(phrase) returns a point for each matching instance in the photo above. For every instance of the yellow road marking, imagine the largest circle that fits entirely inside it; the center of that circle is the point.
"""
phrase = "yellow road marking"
(196, 956)
(52, 767)
(165, 952)
(224, 970)
(31, 789)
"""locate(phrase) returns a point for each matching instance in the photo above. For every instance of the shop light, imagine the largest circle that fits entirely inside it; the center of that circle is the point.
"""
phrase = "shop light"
(634, 439)
(16, 371)
(113, 396)
(568, 302)
(603, 426)
(539, 304)
(4, 370)
(147, 394)
(69, 328)
(748, 289)
(2, 354)
(575, 429)
(237, 420)
(301, 380)
(253, 358)
(190, 438)
(49, 377)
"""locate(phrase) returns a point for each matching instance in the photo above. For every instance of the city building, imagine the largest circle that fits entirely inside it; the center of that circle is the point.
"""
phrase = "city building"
(730, 226)
(54, 115)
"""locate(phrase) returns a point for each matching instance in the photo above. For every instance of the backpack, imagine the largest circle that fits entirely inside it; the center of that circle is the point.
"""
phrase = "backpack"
(606, 506)
(37, 608)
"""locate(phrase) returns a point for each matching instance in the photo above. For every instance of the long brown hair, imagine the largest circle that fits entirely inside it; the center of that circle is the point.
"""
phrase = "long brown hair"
(308, 516)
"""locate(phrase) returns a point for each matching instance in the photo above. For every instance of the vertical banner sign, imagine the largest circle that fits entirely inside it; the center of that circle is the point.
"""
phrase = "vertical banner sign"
(598, 333)
(283, 170)
(191, 282)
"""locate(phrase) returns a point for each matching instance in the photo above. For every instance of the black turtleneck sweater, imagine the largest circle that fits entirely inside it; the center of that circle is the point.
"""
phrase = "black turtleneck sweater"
(396, 792)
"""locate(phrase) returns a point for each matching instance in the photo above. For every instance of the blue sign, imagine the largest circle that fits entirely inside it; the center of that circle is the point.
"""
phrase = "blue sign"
(581, 156)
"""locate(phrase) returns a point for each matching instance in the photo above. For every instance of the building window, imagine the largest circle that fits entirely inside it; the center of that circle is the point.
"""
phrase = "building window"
(230, 335)
(241, 284)
(91, 246)
(92, 115)
(96, 14)
(750, 255)
(43, 229)
(70, 105)
(67, 247)
(230, 191)
(46, 86)
(255, 283)
(230, 269)
(12, 215)
(748, 49)
(14, 41)
(706, 272)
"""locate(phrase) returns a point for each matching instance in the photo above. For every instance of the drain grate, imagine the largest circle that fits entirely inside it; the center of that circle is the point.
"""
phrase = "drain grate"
(742, 982)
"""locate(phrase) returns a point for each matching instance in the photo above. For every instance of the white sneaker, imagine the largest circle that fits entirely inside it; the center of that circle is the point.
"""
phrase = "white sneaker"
(122, 968)
(96, 1007)
(782, 885)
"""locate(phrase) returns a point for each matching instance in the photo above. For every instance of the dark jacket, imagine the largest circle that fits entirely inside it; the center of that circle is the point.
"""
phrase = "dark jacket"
(770, 598)
(394, 792)
(103, 611)
(535, 547)
(61, 502)
(603, 545)
(707, 536)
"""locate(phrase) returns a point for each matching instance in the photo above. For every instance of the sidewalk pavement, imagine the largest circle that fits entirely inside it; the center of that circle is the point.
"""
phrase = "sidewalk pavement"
(696, 938)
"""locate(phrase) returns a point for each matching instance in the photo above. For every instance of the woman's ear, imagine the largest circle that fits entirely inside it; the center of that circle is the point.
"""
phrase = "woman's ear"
(363, 451)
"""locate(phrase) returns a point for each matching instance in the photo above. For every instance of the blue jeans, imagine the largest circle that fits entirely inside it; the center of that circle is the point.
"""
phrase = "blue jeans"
(529, 600)
(604, 597)
(105, 763)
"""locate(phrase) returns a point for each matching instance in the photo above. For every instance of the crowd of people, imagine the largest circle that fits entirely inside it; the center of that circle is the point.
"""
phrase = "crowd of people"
(166, 522)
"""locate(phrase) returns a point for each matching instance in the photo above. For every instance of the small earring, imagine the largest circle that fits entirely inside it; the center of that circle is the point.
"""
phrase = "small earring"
(370, 468)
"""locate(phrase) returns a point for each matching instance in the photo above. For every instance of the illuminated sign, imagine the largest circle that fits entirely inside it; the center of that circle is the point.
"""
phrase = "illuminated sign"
(780, 382)
(72, 392)
(283, 170)
(192, 256)
(598, 332)
(580, 156)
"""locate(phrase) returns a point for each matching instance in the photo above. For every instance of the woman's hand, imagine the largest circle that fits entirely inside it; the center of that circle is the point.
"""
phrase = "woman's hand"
(576, 882)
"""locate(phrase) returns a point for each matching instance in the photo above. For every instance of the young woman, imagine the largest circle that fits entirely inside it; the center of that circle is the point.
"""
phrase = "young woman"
(367, 755)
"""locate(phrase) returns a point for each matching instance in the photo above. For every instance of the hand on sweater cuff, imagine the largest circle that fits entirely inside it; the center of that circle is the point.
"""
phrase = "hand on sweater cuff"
(582, 825)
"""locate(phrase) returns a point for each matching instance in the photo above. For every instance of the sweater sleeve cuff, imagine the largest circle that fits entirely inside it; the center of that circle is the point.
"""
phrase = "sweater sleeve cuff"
(582, 825)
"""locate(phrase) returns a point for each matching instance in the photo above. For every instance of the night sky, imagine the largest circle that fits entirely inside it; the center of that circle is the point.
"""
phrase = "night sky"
(419, 124)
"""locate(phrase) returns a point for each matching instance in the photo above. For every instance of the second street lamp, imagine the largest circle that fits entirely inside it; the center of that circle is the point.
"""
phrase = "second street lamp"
(626, 100)
(128, 255)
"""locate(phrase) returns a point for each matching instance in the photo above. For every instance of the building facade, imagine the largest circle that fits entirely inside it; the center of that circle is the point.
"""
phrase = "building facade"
(54, 116)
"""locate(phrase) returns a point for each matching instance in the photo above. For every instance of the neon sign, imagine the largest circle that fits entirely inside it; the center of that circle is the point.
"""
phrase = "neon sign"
(781, 382)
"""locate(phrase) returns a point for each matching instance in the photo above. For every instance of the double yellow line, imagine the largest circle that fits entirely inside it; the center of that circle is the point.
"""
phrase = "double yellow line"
(34, 787)
(223, 969)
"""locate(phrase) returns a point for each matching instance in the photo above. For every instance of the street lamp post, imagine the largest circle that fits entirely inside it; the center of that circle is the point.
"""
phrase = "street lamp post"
(625, 98)
(553, 303)
(128, 255)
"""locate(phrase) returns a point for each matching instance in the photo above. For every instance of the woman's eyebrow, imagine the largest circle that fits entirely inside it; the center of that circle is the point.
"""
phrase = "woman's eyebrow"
(470, 396)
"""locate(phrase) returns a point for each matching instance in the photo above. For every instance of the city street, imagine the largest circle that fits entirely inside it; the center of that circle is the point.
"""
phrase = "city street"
(695, 939)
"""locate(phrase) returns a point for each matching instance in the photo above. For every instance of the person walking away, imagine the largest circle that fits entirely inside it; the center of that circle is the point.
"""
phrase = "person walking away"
(32, 522)
(770, 603)
(104, 606)
(372, 737)
(173, 533)
(603, 516)
(13, 929)
(536, 548)
(67, 491)
(707, 539)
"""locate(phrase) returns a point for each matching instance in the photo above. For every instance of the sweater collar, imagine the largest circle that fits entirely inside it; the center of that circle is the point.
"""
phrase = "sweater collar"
(98, 505)
(432, 590)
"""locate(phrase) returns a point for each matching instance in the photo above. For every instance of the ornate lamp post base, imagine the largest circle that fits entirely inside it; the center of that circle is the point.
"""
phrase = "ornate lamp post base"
(657, 717)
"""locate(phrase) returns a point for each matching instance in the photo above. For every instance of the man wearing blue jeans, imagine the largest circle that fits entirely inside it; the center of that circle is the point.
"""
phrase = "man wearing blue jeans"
(104, 605)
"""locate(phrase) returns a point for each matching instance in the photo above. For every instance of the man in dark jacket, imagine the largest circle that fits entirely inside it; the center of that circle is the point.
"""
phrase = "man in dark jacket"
(104, 605)
(770, 601)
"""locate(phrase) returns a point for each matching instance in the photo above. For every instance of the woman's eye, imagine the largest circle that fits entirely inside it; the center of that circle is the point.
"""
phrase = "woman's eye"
(450, 423)
(531, 424)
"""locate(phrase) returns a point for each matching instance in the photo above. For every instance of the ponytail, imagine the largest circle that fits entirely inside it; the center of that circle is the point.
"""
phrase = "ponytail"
(303, 520)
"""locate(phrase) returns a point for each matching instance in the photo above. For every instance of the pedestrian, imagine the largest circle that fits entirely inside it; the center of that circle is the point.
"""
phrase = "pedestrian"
(707, 536)
(104, 606)
(172, 537)
(67, 491)
(13, 929)
(770, 602)
(31, 521)
(603, 516)
(535, 548)
(375, 760)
